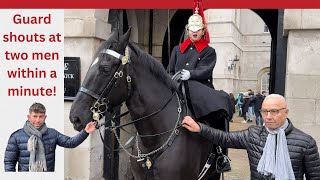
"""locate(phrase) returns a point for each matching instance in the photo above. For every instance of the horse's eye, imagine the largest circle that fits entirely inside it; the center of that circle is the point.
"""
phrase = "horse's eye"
(105, 69)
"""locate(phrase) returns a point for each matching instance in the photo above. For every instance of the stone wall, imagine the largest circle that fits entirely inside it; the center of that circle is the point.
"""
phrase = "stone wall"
(233, 37)
(84, 31)
(302, 27)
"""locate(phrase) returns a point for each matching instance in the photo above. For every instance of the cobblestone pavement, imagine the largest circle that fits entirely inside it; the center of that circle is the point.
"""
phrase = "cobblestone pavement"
(239, 158)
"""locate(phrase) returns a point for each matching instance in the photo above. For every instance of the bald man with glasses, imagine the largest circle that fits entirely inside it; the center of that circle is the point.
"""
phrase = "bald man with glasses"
(276, 150)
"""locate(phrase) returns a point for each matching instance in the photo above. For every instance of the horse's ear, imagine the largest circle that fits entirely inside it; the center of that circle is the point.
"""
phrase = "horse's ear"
(125, 38)
(114, 35)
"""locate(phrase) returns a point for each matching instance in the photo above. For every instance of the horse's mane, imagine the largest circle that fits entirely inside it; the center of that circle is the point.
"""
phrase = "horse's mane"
(155, 67)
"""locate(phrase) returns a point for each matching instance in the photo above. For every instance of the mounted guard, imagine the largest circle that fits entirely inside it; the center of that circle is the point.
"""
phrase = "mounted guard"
(195, 59)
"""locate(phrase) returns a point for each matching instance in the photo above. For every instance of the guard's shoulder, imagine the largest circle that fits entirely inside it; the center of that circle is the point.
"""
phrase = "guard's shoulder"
(209, 50)
(176, 49)
(177, 46)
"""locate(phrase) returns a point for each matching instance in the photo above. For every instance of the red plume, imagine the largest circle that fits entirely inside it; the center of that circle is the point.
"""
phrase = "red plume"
(199, 8)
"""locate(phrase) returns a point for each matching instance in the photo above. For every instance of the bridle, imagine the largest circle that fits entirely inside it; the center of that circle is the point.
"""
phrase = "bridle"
(100, 106)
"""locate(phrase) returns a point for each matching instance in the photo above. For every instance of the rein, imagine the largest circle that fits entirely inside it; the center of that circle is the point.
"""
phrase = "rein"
(114, 128)
(141, 118)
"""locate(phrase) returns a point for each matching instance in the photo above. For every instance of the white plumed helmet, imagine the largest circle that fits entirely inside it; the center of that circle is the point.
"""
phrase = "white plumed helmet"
(195, 23)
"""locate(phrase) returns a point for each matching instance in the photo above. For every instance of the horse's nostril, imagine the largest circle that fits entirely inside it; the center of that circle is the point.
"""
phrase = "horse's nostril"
(76, 121)
(77, 125)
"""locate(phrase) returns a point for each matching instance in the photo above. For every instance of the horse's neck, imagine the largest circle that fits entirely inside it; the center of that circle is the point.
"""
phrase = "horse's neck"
(148, 96)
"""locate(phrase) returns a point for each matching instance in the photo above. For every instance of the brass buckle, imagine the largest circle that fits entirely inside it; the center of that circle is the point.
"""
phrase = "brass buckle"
(124, 59)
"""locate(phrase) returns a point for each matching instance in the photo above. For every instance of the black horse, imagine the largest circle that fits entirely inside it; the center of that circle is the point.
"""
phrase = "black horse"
(121, 72)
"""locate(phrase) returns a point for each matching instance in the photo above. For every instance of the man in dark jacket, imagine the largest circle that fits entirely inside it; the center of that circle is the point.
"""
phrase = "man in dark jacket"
(33, 147)
(245, 106)
(251, 105)
(277, 150)
(257, 101)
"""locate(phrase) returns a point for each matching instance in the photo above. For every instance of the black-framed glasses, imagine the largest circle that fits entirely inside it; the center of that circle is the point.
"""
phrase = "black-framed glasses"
(273, 112)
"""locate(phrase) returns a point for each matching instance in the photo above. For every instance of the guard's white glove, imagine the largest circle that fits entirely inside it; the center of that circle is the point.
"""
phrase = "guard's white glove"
(185, 75)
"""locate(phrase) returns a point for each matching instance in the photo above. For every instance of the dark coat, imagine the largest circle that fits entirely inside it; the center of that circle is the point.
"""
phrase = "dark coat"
(200, 64)
(233, 103)
(16, 150)
(302, 148)
(251, 103)
(245, 105)
(204, 99)
(232, 109)
(257, 100)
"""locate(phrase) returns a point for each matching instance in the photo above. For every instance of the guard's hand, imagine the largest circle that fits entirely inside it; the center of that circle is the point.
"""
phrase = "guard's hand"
(90, 127)
(185, 75)
(190, 124)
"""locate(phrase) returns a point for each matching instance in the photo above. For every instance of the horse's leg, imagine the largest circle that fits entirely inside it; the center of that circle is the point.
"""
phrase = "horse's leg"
(181, 160)
(128, 173)
(137, 170)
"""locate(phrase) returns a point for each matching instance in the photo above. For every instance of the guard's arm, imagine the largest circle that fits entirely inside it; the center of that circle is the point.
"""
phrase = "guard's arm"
(172, 62)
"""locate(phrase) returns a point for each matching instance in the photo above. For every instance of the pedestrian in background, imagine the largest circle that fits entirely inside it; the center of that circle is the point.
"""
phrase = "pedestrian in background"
(245, 107)
(257, 100)
(251, 105)
(232, 108)
(239, 103)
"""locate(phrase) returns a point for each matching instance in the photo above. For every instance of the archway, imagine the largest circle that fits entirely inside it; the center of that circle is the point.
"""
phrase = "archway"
(177, 29)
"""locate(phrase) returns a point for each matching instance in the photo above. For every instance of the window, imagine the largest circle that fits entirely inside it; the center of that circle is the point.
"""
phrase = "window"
(265, 82)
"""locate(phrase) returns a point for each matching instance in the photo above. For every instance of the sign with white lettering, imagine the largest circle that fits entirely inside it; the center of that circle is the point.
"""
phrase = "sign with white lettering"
(71, 77)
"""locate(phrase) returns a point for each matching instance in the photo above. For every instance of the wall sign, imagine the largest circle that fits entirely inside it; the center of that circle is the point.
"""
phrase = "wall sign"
(71, 77)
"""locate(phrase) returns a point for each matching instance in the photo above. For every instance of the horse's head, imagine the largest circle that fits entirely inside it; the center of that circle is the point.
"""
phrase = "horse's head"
(105, 84)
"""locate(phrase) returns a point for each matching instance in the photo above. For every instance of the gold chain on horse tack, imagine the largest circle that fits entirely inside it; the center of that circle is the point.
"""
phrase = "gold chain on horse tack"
(140, 155)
